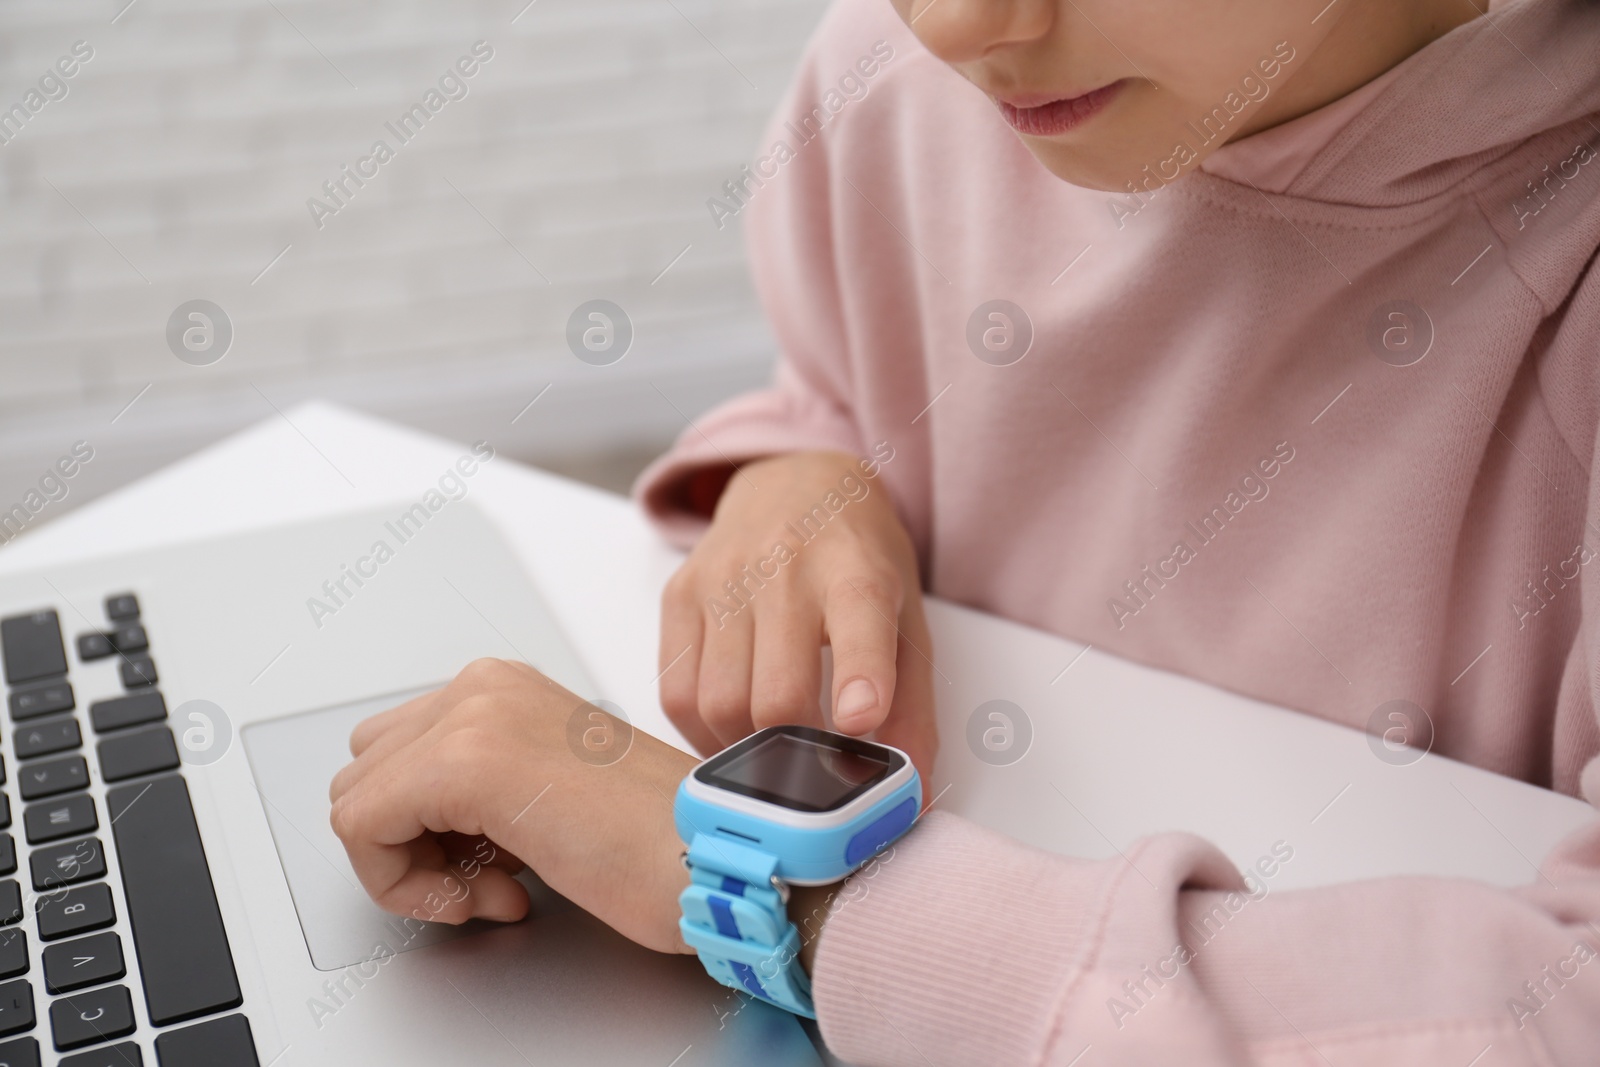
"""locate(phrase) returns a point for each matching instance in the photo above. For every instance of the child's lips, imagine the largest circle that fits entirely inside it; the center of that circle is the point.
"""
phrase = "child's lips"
(1040, 116)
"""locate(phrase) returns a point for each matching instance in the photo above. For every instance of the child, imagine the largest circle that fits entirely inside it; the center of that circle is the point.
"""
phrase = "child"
(1253, 340)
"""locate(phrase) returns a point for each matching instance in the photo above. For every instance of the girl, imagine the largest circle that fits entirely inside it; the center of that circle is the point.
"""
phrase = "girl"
(1252, 339)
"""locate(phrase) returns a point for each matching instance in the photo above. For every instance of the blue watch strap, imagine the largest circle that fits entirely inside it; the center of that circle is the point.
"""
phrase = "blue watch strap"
(738, 921)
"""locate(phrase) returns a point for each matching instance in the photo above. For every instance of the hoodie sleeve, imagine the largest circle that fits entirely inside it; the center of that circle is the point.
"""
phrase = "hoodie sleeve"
(789, 232)
(967, 948)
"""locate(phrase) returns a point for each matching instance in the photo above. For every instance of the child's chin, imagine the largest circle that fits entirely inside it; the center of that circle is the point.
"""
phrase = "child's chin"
(1082, 166)
(1109, 164)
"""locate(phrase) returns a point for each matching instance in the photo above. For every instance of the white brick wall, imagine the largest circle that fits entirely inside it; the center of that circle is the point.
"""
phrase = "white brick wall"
(180, 161)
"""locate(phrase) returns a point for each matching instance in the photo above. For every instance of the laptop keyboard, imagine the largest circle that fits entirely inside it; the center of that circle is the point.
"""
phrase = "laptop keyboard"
(66, 978)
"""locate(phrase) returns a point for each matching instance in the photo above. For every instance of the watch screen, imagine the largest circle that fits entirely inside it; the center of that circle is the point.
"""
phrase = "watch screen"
(801, 768)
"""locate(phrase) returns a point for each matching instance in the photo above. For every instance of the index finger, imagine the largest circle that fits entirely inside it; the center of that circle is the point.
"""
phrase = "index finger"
(373, 727)
(860, 624)
(375, 738)
(387, 824)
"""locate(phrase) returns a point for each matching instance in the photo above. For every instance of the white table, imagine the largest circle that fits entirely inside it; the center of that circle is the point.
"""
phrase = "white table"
(1119, 750)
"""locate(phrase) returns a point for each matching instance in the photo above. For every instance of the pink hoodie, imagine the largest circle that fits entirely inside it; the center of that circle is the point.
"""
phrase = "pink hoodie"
(1315, 423)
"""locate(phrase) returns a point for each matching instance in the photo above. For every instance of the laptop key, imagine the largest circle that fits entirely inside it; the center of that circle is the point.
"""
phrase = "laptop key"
(51, 820)
(32, 648)
(13, 955)
(126, 1054)
(10, 902)
(8, 854)
(138, 671)
(122, 606)
(224, 1042)
(46, 738)
(5, 812)
(98, 1015)
(16, 1007)
(131, 710)
(46, 778)
(93, 646)
(184, 960)
(61, 865)
(74, 911)
(87, 961)
(36, 700)
(136, 753)
(23, 1052)
(129, 638)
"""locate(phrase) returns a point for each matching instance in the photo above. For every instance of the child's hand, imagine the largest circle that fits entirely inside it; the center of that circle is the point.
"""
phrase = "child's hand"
(849, 579)
(454, 792)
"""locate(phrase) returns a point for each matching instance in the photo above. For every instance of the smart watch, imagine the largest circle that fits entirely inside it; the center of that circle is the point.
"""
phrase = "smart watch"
(788, 805)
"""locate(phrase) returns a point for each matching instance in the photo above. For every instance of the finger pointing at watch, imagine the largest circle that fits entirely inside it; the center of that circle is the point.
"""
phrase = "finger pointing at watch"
(804, 550)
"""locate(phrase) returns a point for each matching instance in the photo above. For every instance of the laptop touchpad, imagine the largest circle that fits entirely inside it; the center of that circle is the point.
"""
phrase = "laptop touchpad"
(293, 760)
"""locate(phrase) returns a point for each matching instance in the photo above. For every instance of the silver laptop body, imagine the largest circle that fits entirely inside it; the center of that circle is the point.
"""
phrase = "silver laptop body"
(267, 648)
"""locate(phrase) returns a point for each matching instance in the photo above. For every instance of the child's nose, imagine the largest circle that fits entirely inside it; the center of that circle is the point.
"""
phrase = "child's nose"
(960, 31)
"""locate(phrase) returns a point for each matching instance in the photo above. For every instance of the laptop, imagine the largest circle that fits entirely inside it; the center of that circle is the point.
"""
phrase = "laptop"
(170, 891)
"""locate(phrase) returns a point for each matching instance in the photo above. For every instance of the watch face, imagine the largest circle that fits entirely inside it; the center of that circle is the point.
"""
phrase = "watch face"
(801, 768)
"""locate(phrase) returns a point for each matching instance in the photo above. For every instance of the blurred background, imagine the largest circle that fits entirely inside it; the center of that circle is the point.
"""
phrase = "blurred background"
(178, 160)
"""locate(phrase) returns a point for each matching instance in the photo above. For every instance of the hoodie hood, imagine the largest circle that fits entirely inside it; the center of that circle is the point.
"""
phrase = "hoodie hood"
(1464, 103)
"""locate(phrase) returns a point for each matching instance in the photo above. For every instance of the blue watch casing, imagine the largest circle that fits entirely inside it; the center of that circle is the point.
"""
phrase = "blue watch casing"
(787, 805)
